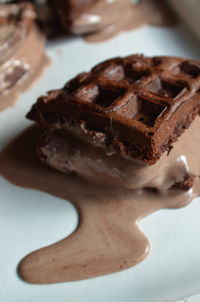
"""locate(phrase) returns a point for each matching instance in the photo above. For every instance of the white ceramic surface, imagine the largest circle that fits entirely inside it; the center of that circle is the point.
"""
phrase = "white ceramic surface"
(31, 219)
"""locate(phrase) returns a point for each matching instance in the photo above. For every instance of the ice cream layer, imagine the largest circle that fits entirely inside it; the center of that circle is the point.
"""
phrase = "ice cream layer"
(69, 153)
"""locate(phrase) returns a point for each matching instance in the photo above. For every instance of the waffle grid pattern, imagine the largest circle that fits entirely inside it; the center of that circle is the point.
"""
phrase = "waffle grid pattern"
(137, 89)
(135, 106)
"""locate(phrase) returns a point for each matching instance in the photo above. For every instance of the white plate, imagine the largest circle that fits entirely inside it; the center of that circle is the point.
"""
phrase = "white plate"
(32, 219)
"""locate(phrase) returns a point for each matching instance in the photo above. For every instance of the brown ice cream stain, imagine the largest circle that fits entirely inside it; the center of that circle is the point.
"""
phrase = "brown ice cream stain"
(22, 59)
(108, 18)
(107, 238)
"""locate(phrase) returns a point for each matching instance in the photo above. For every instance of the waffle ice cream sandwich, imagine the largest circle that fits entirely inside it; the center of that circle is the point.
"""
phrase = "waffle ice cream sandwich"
(124, 119)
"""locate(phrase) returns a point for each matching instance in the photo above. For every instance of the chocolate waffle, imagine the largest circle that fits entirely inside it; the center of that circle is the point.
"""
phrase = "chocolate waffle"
(135, 106)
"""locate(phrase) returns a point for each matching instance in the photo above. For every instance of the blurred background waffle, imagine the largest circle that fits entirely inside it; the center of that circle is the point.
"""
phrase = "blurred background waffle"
(87, 20)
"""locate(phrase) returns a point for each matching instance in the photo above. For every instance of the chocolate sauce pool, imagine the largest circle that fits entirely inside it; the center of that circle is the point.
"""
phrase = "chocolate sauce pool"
(108, 238)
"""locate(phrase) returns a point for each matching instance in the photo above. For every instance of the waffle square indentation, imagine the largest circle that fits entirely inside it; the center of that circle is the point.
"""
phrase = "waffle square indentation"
(142, 110)
(164, 88)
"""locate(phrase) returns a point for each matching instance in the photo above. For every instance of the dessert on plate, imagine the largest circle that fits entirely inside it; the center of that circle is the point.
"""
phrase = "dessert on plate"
(120, 122)
(126, 136)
